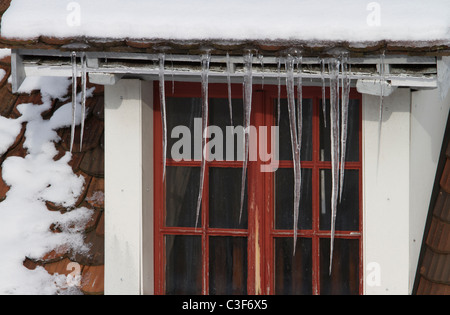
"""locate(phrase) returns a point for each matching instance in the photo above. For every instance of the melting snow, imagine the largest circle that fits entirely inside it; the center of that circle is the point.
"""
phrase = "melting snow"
(33, 180)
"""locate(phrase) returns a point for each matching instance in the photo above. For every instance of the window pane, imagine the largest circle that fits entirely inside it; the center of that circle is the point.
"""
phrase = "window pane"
(181, 112)
(183, 265)
(293, 274)
(352, 147)
(225, 198)
(227, 265)
(284, 199)
(348, 209)
(285, 131)
(344, 279)
(219, 116)
(182, 188)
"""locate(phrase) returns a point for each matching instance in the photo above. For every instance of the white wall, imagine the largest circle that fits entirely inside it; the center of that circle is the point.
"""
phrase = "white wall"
(429, 115)
(128, 122)
(386, 194)
(397, 190)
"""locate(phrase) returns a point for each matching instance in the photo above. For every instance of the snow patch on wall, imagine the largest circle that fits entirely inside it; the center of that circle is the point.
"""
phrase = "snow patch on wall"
(24, 218)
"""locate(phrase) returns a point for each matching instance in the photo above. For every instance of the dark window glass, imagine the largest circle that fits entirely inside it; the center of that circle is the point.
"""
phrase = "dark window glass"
(183, 264)
(182, 188)
(181, 112)
(284, 199)
(345, 271)
(293, 274)
(285, 131)
(348, 209)
(233, 138)
(227, 265)
(352, 147)
(225, 198)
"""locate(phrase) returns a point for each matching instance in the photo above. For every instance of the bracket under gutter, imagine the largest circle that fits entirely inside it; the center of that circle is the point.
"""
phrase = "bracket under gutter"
(443, 80)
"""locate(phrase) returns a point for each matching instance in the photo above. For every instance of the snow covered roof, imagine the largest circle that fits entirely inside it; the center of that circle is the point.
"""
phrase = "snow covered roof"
(309, 20)
(411, 23)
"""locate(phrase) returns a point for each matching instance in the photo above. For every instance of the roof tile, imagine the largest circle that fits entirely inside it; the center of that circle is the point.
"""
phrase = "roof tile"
(93, 279)
(8, 101)
(95, 195)
(439, 236)
(93, 162)
(431, 288)
(60, 267)
(445, 179)
(442, 207)
(436, 267)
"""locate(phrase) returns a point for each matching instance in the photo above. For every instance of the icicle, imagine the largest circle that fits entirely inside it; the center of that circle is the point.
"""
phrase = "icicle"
(162, 95)
(173, 76)
(380, 121)
(334, 124)
(300, 100)
(248, 90)
(230, 104)
(74, 97)
(205, 72)
(324, 105)
(261, 61)
(83, 96)
(344, 121)
(290, 88)
(279, 91)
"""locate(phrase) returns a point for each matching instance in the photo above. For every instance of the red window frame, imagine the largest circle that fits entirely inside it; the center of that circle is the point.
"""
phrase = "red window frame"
(261, 231)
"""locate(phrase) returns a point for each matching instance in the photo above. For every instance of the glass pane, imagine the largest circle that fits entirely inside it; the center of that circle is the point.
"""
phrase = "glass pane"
(352, 148)
(225, 198)
(227, 265)
(183, 264)
(344, 279)
(181, 112)
(232, 141)
(347, 218)
(293, 274)
(284, 199)
(182, 187)
(285, 131)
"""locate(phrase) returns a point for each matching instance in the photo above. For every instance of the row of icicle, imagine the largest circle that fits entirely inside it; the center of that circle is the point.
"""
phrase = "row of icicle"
(339, 82)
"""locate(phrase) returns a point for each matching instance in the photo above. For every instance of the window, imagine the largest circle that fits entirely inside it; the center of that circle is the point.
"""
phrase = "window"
(255, 256)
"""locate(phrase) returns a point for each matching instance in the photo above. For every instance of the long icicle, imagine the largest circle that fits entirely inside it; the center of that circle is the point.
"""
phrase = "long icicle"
(300, 100)
(261, 61)
(290, 88)
(248, 90)
(344, 121)
(206, 58)
(298, 179)
(83, 95)
(381, 108)
(162, 96)
(74, 98)
(279, 91)
(230, 103)
(324, 100)
(334, 126)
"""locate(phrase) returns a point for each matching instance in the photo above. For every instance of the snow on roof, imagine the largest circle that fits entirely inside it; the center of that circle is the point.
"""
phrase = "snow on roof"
(287, 20)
